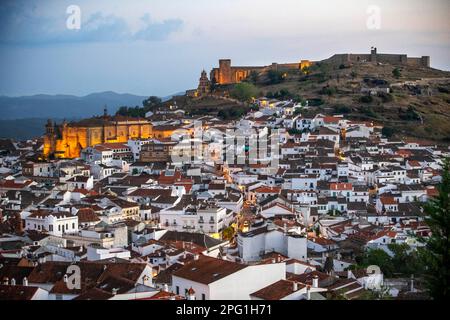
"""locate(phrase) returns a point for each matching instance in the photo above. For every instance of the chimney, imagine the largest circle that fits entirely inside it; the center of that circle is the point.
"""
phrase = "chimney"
(308, 293)
(25, 282)
(315, 282)
(294, 286)
(166, 287)
(5, 281)
(196, 256)
(13, 282)
(66, 278)
(114, 291)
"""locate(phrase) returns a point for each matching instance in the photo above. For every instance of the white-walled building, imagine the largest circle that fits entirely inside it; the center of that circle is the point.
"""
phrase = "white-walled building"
(257, 242)
(209, 278)
(55, 223)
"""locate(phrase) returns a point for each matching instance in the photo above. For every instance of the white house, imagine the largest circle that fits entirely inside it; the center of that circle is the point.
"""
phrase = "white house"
(257, 242)
(208, 278)
(55, 223)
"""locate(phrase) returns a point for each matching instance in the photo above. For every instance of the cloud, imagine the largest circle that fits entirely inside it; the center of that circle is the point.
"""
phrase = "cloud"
(22, 24)
(154, 31)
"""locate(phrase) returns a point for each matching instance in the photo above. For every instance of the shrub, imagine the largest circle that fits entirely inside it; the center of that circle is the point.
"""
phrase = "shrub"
(244, 91)
(396, 73)
(387, 132)
(342, 109)
(275, 77)
(366, 99)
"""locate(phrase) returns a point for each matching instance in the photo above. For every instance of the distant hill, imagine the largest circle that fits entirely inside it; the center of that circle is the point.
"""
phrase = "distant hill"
(23, 129)
(64, 106)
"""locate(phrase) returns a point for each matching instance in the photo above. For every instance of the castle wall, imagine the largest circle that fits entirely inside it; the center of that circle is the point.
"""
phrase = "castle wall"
(395, 59)
(227, 74)
(423, 61)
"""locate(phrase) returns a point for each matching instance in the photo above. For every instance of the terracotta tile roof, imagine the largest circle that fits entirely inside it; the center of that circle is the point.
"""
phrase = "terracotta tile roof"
(277, 290)
(388, 200)
(87, 215)
(207, 270)
(265, 189)
(17, 292)
(341, 186)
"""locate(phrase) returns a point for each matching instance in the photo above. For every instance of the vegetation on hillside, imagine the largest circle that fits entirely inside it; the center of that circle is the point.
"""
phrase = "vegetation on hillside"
(436, 255)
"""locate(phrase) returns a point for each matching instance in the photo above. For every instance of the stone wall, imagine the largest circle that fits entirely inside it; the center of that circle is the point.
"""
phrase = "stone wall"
(395, 59)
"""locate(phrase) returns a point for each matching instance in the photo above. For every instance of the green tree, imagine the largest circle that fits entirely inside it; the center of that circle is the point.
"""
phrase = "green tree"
(380, 258)
(244, 91)
(253, 77)
(436, 256)
(396, 73)
(151, 104)
(387, 132)
(228, 233)
(275, 76)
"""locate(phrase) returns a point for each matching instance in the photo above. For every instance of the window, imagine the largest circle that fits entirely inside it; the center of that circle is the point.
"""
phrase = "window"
(50, 227)
(73, 225)
(177, 290)
(203, 296)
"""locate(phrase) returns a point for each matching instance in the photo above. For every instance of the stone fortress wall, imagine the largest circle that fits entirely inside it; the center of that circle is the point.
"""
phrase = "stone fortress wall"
(228, 74)
(374, 56)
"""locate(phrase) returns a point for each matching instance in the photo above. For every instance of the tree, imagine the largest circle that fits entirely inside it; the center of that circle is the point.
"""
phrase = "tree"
(396, 73)
(436, 256)
(253, 77)
(228, 233)
(366, 99)
(387, 132)
(380, 258)
(151, 104)
(275, 76)
(244, 91)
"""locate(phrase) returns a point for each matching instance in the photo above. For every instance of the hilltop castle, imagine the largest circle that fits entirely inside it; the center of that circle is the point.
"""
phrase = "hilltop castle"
(68, 139)
(228, 74)
(395, 59)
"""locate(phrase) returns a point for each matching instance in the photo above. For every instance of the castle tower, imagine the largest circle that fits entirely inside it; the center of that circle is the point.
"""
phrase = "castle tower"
(105, 111)
(204, 85)
(224, 71)
(49, 139)
(373, 54)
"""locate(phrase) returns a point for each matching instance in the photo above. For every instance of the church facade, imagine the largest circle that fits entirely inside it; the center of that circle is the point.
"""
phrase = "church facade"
(66, 140)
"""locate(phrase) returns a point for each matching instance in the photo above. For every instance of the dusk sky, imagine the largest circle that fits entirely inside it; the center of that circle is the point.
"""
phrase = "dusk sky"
(159, 47)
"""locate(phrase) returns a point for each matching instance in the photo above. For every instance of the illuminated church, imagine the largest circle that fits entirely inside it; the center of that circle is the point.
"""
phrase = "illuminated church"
(66, 140)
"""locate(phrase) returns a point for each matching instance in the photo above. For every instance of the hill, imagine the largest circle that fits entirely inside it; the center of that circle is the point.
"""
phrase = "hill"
(64, 106)
(417, 105)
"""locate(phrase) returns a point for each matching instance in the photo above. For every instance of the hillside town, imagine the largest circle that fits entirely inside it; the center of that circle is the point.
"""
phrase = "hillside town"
(232, 220)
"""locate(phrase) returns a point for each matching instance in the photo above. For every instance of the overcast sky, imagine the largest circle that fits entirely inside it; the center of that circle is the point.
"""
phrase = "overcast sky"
(159, 47)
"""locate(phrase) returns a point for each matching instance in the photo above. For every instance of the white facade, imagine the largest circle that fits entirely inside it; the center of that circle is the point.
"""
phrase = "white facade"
(56, 224)
(236, 286)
